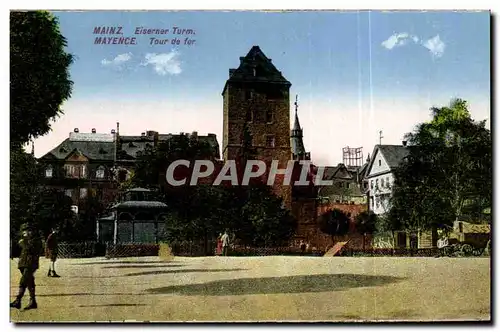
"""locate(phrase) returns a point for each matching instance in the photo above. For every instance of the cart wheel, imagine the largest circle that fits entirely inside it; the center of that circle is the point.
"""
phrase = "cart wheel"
(467, 249)
(477, 252)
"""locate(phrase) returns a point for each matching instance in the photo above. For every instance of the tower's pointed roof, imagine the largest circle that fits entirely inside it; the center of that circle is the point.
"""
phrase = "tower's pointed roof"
(297, 130)
(296, 142)
(296, 124)
(256, 67)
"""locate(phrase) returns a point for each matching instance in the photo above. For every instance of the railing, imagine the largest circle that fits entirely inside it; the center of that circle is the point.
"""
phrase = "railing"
(190, 248)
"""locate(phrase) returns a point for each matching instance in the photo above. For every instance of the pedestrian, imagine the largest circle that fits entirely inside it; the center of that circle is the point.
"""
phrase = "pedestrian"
(225, 243)
(31, 248)
(302, 246)
(51, 251)
(442, 245)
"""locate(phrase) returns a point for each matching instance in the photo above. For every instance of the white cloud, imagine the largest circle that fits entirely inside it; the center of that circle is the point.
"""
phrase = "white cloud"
(118, 61)
(435, 45)
(397, 39)
(164, 63)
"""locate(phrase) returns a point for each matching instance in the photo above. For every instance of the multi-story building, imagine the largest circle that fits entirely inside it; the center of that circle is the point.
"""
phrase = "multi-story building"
(256, 98)
(380, 175)
(95, 163)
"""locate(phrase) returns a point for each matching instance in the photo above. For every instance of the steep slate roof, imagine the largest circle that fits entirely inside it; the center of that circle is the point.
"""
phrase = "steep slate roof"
(265, 70)
(393, 154)
(90, 149)
(329, 172)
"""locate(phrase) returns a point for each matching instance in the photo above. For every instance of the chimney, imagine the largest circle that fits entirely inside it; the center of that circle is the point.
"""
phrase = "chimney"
(76, 130)
(231, 72)
(194, 134)
(113, 131)
(93, 131)
(241, 59)
(404, 143)
(143, 134)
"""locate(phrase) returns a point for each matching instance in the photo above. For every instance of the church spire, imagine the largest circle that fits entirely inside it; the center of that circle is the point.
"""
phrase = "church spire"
(297, 145)
(296, 125)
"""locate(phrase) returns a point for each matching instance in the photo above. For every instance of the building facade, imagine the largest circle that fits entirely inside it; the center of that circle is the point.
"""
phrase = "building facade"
(96, 164)
(380, 175)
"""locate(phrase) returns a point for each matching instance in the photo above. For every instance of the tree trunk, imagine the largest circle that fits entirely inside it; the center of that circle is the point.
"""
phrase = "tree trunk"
(364, 235)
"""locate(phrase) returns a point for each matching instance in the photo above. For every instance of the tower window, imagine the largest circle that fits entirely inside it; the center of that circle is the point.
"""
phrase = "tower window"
(269, 116)
(249, 116)
(270, 141)
(248, 94)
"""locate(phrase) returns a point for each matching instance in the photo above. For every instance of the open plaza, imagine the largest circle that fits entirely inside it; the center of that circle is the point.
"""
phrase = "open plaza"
(271, 288)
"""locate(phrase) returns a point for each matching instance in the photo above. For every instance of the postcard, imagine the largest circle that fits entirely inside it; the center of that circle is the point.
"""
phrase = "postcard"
(250, 166)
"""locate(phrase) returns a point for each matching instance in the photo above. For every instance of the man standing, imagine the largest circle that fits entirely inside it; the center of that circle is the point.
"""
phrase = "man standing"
(225, 243)
(442, 245)
(31, 248)
(51, 253)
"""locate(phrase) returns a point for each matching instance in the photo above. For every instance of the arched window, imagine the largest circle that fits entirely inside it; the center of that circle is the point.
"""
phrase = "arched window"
(99, 173)
(48, 171)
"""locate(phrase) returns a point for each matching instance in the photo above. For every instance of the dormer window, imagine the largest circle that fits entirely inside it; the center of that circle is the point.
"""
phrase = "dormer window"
(102, 151)
(75, 171)
(62, 150)
(99, 174)
(131, 145)
(48, 172)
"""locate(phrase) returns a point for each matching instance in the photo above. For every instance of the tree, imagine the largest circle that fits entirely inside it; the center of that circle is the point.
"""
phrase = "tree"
(155, 161)
(24, 187)
(448, 167)
(39, 84)
(39, 74)
(334, 223)
(53, 209)
(263, 221)
(366, 223)
(252, 213)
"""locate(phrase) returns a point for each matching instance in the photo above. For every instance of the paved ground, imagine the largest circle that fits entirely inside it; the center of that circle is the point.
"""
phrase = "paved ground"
(260, 289)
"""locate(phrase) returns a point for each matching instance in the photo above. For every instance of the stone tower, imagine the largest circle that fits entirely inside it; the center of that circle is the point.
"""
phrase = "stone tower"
(256, 96)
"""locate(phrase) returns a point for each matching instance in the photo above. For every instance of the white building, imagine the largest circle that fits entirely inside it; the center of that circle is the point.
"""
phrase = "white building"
(380, 175)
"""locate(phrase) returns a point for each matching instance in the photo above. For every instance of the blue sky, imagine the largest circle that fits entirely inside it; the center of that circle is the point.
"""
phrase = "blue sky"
(355, 72)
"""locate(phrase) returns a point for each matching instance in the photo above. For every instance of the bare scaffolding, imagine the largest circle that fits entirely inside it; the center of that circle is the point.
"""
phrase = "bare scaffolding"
(352, 156)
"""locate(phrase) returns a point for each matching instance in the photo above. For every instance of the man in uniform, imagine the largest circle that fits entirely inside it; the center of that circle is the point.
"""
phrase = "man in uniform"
(51, 253)
(31, 248)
